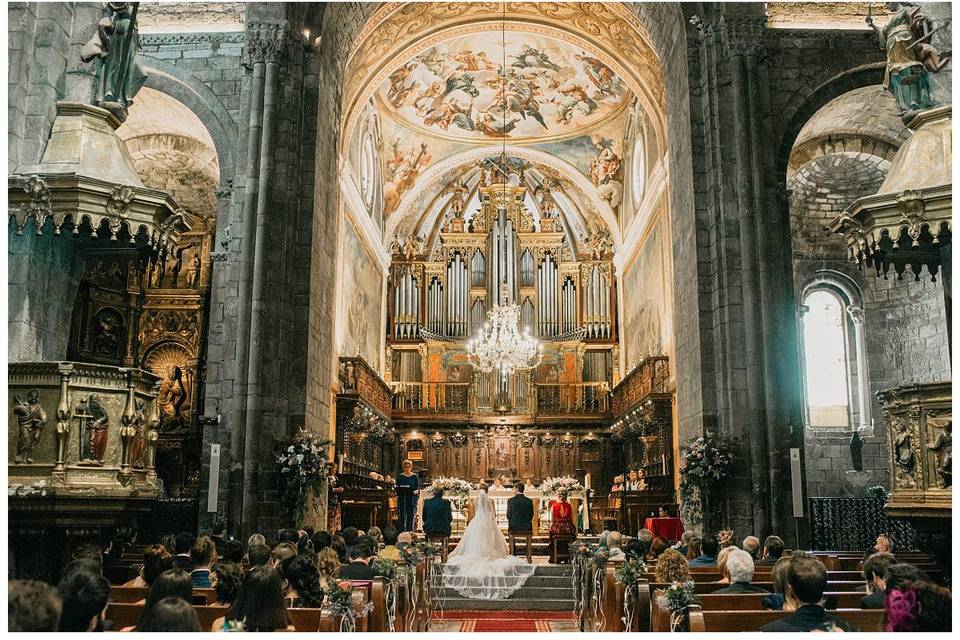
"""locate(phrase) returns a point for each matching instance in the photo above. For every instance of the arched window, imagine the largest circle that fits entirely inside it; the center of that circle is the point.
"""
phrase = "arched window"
(836, 388)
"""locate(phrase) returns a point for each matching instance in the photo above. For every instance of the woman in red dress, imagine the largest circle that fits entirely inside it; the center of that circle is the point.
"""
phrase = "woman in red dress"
(562, 528)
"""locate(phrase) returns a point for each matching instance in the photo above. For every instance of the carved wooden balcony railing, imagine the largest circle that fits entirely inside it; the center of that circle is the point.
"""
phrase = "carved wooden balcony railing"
(578, 398)
(431, 397)
(358, 379)
(650, 376)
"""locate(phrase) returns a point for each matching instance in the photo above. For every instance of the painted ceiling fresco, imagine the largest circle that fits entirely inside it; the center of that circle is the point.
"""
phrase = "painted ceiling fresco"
(519, 86)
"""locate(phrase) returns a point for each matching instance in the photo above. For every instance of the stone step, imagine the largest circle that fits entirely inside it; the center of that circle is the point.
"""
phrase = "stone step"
(544, 570)
(466, 604)
(526, 592)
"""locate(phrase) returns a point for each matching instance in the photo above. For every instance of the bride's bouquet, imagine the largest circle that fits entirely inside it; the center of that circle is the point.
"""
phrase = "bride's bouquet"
(454, 487)
(552, 486)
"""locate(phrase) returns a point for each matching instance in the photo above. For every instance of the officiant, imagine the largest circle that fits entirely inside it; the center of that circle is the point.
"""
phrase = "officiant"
(408, 487)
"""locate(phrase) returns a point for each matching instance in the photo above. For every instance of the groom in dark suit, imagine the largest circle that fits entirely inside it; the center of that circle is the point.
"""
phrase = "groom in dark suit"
(519, 511)
(437, 515)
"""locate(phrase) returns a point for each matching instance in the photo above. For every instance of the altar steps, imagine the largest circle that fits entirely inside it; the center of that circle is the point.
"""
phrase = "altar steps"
(550, 588)
(540, 546)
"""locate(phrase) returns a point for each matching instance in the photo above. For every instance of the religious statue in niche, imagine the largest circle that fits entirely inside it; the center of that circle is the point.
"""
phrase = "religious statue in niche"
(600, 241)
(943, 449)
(192, 280)
(116, 44)
(606, 170)
(31, 419)
(173, 400)
(903, 452)
(138, 444)
(910, 55)
(107, 326)
(458, 201)
(93, 431)
(544, 195)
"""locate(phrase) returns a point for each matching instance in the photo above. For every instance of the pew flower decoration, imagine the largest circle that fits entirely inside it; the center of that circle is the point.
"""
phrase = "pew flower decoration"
(302, 464)
(454, 487)
(581, 549)
(725, 538)
(631, 571)
(384, 568)
(600, 556)
(551, 486)
(340, 599)
(677, 596)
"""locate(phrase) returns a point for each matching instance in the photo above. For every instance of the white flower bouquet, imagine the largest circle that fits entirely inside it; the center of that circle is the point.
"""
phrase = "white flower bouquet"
(552, 486)
(451, 486)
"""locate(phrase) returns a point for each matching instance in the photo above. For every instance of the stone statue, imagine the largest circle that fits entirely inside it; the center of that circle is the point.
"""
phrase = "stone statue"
(910, 56)
(116, 44)
(548, 206)
(95, 433)
(944, 446)
(138, 443)
(458, 202)
(903, 446)
(31, 419)
(856, 451)
(171, 398)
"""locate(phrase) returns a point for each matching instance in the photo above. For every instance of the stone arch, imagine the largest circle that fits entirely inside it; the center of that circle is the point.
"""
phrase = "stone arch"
(205, 104)
(862, 76)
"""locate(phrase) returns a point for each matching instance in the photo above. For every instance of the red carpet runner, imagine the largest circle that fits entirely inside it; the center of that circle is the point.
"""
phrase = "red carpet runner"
(522, 621)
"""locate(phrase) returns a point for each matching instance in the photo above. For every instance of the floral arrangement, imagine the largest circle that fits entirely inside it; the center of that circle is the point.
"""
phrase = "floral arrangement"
(340, 598)
(303, 467)
(677, 596)
(631, 571)
(705, 464)
(384, 568)
(552, 486)
(413, 553)
(725, 537)
(600, 556)
(581, 549)
(451, 486)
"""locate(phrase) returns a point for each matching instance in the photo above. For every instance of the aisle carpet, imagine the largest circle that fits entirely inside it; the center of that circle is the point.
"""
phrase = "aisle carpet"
(523, 621)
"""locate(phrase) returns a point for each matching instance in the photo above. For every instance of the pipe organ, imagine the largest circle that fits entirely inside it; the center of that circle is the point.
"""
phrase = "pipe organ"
(441, 296)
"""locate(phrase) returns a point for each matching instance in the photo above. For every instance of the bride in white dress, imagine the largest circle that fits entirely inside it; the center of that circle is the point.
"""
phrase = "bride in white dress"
(481, 565)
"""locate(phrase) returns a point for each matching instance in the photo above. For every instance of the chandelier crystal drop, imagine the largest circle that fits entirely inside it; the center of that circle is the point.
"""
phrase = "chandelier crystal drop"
(500, 344)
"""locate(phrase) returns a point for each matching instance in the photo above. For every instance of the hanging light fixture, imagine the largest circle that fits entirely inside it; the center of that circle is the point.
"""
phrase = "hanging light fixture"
(500, 344)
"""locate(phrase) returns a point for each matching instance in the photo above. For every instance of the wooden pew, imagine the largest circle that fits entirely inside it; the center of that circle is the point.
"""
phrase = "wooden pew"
(735, 601)
(135, 594)
(752, 620)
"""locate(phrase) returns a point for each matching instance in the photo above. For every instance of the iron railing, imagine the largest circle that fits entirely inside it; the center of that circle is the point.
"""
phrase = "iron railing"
(853, 524)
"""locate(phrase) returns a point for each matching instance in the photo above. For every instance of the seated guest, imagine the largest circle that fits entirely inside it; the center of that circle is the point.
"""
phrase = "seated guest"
(340, 547)
(725, 538)
(645, 536)
(883, 544)
(168, 543)
(693, 547)
(226, 578)
(304, 543)
(349, 535)
(914, 603)
(633, 549)
(406, 537)
(738, 569)
(722, 562)
(672, 567)
(562, 529)
(88, 551)
(602, 538)
(281, 552)
(203, 554)
(218, 533)
(288, 535)
(182, 544)
(806, 582)
(156, 560)
(84, 594)
(258, 555)
(614, 540)
(170, 615)
(389, 550)
(751, 544)
(321, 540)
(302, 582)
(658, 546)
(260, 605)
(708, 555)
(772, 550)
(684, 543)
(232, 552)
(328, 566)
(665, 511)
(174, 583)
(874, 570)
(359, 567)
(32, 606)
(634, 482)
(777, 600)
(256, 539)
(376, 535)
(617, 484)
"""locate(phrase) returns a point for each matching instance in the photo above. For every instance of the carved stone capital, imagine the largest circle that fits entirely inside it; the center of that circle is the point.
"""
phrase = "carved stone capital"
(856, 314)
(266, 42)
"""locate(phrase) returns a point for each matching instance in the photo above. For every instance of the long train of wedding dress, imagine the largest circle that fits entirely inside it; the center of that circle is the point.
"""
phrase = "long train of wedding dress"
(481, 565)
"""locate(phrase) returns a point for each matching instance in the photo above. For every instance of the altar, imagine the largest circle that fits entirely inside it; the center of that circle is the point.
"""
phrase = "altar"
(463, 508)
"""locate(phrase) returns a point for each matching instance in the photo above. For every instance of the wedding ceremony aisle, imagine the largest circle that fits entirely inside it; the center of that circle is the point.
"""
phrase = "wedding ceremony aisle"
(504, 620)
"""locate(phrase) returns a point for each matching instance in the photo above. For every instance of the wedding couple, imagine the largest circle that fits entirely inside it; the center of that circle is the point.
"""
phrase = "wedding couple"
(481, 565)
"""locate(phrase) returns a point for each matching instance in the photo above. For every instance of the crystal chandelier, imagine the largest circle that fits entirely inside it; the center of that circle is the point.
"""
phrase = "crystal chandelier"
(500, 344)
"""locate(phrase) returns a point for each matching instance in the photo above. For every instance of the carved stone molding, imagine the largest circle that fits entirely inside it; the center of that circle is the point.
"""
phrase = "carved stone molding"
(266, 42)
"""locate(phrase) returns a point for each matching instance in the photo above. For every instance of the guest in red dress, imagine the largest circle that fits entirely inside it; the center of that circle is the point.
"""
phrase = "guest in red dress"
(562, 528)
